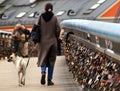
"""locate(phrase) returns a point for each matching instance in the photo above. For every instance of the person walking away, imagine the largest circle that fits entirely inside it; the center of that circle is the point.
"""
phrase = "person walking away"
(20, 38)
(47, 47)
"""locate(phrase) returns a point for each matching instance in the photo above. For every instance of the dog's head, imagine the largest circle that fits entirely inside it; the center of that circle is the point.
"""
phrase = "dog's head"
(12, 57)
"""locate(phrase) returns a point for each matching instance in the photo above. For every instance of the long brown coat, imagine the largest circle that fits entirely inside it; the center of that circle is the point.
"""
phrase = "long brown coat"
(47, 48)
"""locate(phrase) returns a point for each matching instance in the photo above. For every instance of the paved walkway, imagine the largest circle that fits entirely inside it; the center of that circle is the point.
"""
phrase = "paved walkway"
(62, 78)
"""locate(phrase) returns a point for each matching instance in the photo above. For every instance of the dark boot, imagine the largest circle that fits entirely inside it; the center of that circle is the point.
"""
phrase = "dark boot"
(43, 78)
(50, 83)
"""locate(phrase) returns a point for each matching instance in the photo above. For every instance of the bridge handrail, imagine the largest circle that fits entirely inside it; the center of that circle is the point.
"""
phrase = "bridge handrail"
(102, 29)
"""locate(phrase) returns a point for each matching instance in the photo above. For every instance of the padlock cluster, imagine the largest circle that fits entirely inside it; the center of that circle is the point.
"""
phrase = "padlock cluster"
(93, 70)
(5, 45)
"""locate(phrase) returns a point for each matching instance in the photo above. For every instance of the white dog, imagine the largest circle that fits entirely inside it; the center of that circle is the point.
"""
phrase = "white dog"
(21, 66)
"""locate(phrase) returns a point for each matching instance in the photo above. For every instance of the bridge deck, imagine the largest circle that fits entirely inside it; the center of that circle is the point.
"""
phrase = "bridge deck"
(62, 78)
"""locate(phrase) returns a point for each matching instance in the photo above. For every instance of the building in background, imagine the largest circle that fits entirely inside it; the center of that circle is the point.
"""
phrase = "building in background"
(26, 11)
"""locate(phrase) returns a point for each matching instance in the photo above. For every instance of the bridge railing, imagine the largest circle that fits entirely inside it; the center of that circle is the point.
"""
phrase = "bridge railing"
(92, 53)
(102, 36)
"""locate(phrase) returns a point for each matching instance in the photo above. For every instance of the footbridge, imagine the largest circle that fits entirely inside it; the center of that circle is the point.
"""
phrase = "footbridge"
(89, 61)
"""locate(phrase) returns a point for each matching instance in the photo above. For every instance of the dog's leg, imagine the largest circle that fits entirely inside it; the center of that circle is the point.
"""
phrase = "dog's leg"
(23, 78)
(19, 79)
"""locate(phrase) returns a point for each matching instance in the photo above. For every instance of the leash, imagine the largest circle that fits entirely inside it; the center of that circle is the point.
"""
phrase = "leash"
(34, 47)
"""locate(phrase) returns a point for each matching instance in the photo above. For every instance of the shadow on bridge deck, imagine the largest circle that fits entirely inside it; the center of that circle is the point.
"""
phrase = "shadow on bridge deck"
(62, 78)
